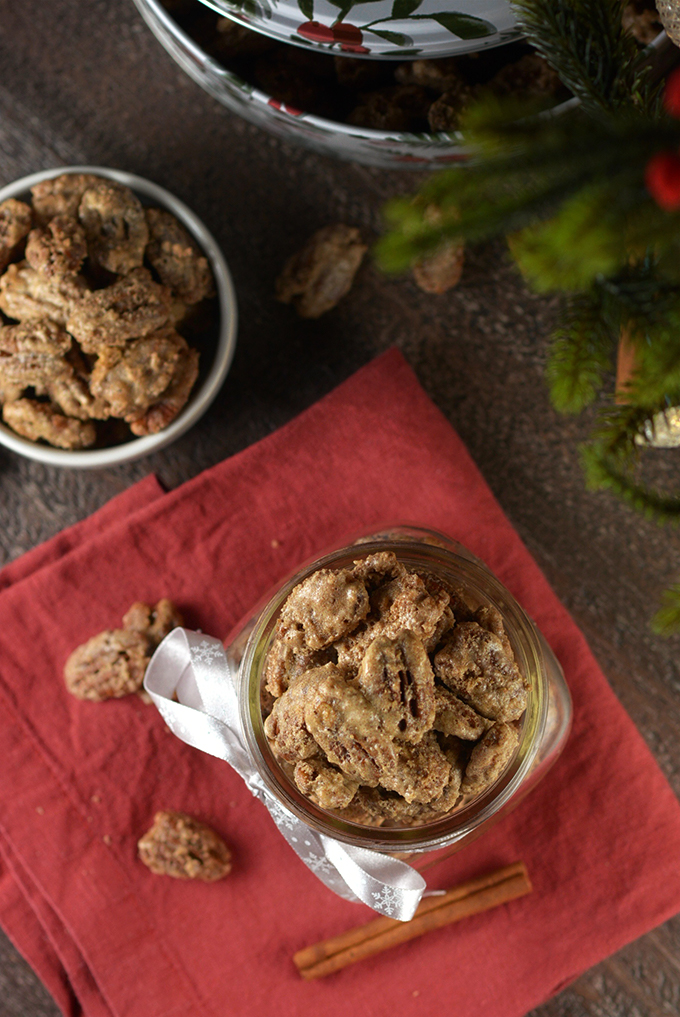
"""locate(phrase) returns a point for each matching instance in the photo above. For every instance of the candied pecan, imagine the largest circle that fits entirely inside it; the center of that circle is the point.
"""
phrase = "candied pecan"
(155, 623)
(489, 758)
(359, 74)
(529, 76)
(33, 352)
(58, 248)
(130, 379)
(420, 773)
(131, 308)
(375, 569)
(490, 619)
(441, 75)
(176, 258)
(180, 846)
(173, 399)
(70, 390)
(454, 717)
(372, 806)
(455, 757)
(287, 660)
(285, 726)
(395, 108)
(406, 603)
(477, 666)
(347, 728)
(9, 393)
(323, 784)
(110, 665)
(115, 226)
(15, 222)
(26, 293)
(441, 629)
(324, 607)
(61, 195)
(444, 113)
(283, 76)
(397, 679)
(351, 649)
(441, 270)
(319, 275)
(34, 420)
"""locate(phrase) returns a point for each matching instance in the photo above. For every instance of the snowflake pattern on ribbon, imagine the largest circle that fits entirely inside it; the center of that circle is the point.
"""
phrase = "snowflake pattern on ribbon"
(207, 652)
(386, 900)
(282, 817)
(320, 865)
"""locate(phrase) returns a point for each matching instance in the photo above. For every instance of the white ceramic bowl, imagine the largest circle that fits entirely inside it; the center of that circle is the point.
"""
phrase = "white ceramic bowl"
(205, 390)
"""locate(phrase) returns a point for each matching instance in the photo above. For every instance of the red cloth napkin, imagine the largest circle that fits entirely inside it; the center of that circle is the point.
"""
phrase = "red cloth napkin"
(81, 781)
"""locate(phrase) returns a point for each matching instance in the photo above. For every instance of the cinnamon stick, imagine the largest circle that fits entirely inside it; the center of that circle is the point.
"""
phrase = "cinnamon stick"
(469, 898)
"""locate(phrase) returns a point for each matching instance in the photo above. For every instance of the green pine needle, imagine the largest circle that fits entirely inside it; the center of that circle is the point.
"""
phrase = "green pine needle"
(666, 621)
(580, 355)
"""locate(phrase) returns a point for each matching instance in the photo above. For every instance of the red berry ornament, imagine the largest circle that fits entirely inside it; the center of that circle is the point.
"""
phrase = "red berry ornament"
(662, 179)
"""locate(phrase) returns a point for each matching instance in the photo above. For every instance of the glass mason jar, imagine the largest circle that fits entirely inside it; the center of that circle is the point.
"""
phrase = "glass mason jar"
(544, 726)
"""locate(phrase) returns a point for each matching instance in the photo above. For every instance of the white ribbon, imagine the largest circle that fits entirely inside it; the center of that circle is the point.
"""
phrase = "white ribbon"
(190, 682)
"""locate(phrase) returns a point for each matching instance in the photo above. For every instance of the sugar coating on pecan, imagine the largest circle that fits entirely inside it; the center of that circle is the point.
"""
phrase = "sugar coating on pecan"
(57, 249)
(44, 421)
(489, 758)
(383, 686)
(479, 668)
(324, 607)
(286, 660)
(172, 399)
(130, 379)
(15, 222)
(61, 195)
(180, 846)
(324, 784)
(113, 663)
(26, 293)
(130, 308)
(33, 352)
(115, 226)
(396, 677)
(347, 728)
(316, 278)
(176, 258)
(454, 717)
(109, 665)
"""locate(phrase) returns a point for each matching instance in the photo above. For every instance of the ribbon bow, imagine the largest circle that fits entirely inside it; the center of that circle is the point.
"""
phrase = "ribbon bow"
(191, 684)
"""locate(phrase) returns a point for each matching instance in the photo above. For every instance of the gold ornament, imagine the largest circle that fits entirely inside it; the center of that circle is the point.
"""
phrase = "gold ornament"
(669, 15)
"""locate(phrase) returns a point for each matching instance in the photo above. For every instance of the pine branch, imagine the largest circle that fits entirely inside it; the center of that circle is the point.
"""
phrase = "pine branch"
(585, 42)
(543, 172)
(666, 621)
(612, 456)
(580, 354)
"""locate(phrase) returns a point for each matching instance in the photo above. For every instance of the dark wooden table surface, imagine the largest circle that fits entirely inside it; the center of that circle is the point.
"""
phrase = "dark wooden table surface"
(83, 81)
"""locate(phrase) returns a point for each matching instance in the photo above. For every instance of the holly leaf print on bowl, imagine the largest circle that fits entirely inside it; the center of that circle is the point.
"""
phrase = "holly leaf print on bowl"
(404, 8)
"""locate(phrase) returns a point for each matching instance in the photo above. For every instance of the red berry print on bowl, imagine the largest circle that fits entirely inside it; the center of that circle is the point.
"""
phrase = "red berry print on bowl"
(316, 32)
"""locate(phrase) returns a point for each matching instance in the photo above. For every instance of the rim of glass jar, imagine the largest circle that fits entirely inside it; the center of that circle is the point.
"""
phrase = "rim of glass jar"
(478, 580)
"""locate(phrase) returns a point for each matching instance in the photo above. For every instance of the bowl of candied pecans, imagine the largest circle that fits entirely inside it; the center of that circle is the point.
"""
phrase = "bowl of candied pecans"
(118, 317)
(394, 695)
(397, 109)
